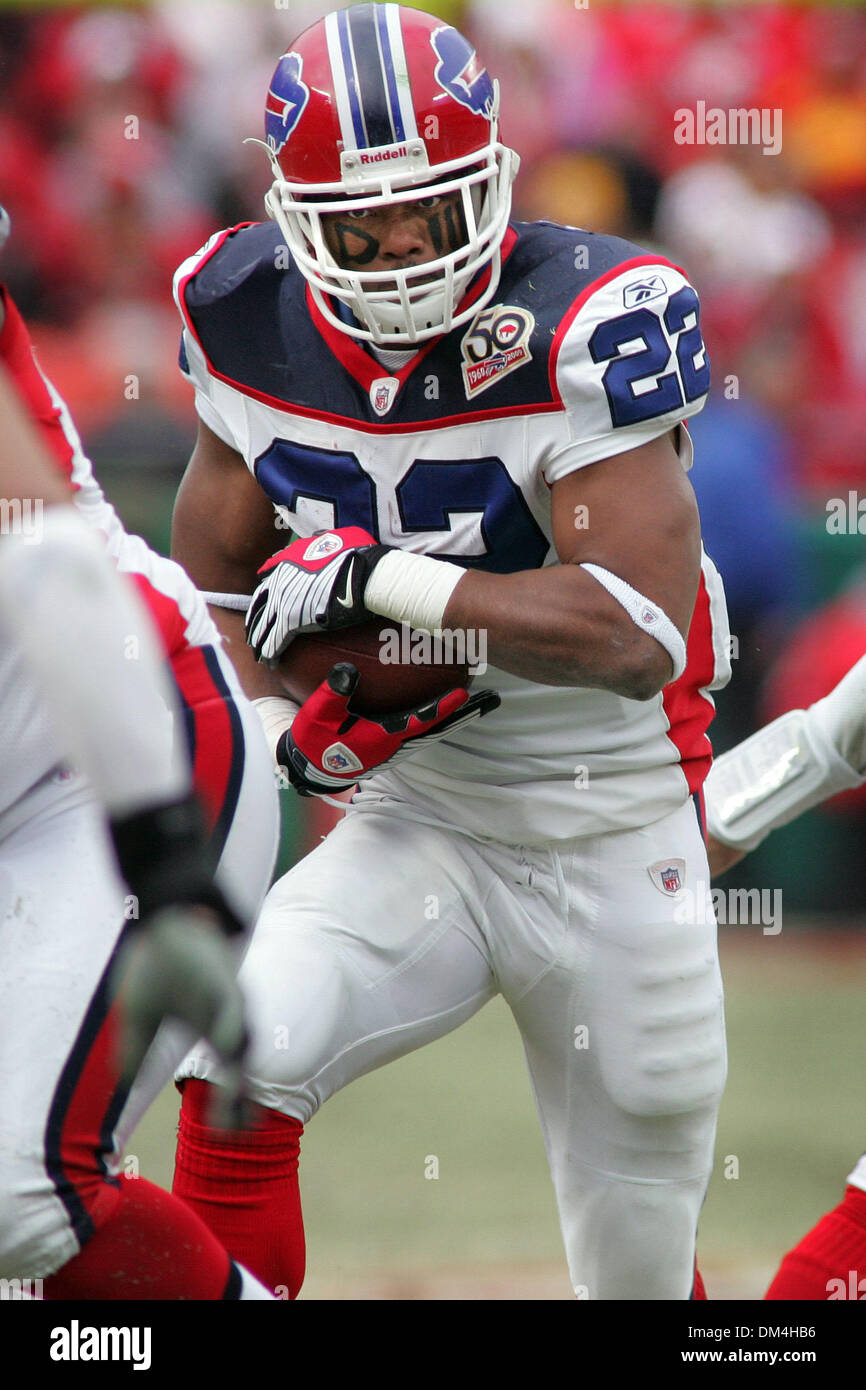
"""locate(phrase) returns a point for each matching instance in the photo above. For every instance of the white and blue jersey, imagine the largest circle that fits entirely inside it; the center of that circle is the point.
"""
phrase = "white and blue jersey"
(591, 348)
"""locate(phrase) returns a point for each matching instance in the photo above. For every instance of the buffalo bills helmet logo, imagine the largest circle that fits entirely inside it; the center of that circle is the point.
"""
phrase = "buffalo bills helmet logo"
(455, 55)
(287, 97)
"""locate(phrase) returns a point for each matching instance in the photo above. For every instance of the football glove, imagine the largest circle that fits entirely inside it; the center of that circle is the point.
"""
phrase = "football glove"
(329, 748)
(313, 585)
(179, 957)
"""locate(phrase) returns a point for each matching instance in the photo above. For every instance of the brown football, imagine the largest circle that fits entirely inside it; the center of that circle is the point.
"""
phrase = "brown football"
(399, 667)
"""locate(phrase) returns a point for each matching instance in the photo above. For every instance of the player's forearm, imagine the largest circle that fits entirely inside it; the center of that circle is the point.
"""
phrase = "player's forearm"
(789, 766)
(558, 626)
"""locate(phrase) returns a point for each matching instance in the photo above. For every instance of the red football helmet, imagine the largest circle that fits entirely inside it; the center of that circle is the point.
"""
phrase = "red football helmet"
(376, 105)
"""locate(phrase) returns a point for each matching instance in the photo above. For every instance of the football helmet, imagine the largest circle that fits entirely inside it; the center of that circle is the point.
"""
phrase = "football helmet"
(377, 105)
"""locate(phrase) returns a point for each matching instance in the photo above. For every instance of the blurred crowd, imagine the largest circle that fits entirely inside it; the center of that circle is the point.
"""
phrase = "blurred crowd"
(121, 150)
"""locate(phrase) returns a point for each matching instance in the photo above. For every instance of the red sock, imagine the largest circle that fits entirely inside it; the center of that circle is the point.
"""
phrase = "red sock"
(244, 1185)
(698, 1290)
(151, 1246)
(835, 1249)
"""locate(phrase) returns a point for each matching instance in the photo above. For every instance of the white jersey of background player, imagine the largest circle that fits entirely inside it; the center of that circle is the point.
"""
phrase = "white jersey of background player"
(134, 688)
(794, 763)
(496, 410)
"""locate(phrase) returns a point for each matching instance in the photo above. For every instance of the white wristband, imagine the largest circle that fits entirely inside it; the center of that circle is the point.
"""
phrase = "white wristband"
(644, 614)
(277, 715)
(772, 777)
(412, 589)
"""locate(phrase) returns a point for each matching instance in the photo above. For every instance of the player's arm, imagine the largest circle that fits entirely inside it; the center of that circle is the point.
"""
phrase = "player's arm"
(792, 764)
(620, 625)
(614, 613)
(561, 625)
(222, 531)
(27, 474)
(73, 618)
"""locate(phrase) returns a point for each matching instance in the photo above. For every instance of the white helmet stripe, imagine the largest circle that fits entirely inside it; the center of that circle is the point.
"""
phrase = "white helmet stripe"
(401, 72)
(339, 78)
(353, 86)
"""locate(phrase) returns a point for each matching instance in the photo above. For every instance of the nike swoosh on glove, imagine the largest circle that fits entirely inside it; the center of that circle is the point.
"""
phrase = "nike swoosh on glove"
(329, 748)
(313, 585)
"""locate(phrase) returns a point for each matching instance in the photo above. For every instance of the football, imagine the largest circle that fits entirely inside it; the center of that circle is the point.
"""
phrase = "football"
(399, 666)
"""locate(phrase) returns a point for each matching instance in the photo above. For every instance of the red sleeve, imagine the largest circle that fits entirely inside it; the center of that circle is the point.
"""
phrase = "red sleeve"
(16, 354)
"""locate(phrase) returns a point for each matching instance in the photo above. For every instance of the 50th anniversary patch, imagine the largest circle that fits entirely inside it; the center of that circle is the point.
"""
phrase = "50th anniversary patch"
(496, 343)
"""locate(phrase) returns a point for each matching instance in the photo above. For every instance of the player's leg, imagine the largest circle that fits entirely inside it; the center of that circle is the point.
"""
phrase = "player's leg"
(829, 1263)
(233, 773)
(624, 1037)
(366, 950)
(66, 1215)
(235, 778)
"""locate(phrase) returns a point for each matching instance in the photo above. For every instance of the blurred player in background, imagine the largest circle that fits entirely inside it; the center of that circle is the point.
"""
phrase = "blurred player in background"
(482, 427)
(789, 766)
(126, 678)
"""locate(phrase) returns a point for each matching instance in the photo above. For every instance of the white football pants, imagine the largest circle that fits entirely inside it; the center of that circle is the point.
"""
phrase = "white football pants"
(391, 933)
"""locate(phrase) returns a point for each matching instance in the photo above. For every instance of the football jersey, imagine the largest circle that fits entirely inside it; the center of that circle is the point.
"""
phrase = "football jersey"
(591, 348)
(29, 747)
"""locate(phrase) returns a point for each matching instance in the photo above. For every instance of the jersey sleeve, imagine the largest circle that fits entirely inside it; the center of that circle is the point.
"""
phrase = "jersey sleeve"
(216, 406)
(629, 364)
(17, 356)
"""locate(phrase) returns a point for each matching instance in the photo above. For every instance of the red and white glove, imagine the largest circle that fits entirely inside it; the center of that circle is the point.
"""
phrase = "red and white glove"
(329, 748)
(313, 585)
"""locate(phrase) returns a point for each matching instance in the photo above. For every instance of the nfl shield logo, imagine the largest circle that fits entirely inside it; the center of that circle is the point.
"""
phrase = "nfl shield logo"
(322, 546)
(671, 879)
(668, 875)
(383, 393)
(339, 759)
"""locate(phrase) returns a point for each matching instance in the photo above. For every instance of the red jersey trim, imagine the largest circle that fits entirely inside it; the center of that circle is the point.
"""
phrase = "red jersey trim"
(203, 260)
(688, 709)
(18, 355)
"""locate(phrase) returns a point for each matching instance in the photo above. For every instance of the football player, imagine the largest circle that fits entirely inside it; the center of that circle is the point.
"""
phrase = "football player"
(467, 424)
(141, 696)
(792, 764)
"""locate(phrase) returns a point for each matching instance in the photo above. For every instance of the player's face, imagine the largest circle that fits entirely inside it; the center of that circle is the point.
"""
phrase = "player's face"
(396, 237)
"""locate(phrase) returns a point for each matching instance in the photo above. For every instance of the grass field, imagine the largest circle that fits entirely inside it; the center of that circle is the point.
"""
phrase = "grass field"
(792, 1125)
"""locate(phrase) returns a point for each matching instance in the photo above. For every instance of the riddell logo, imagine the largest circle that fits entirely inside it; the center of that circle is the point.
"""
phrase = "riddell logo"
(397, 152)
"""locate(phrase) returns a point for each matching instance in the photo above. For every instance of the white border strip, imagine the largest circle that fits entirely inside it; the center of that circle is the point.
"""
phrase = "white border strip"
(341, 88)
(401, 72)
